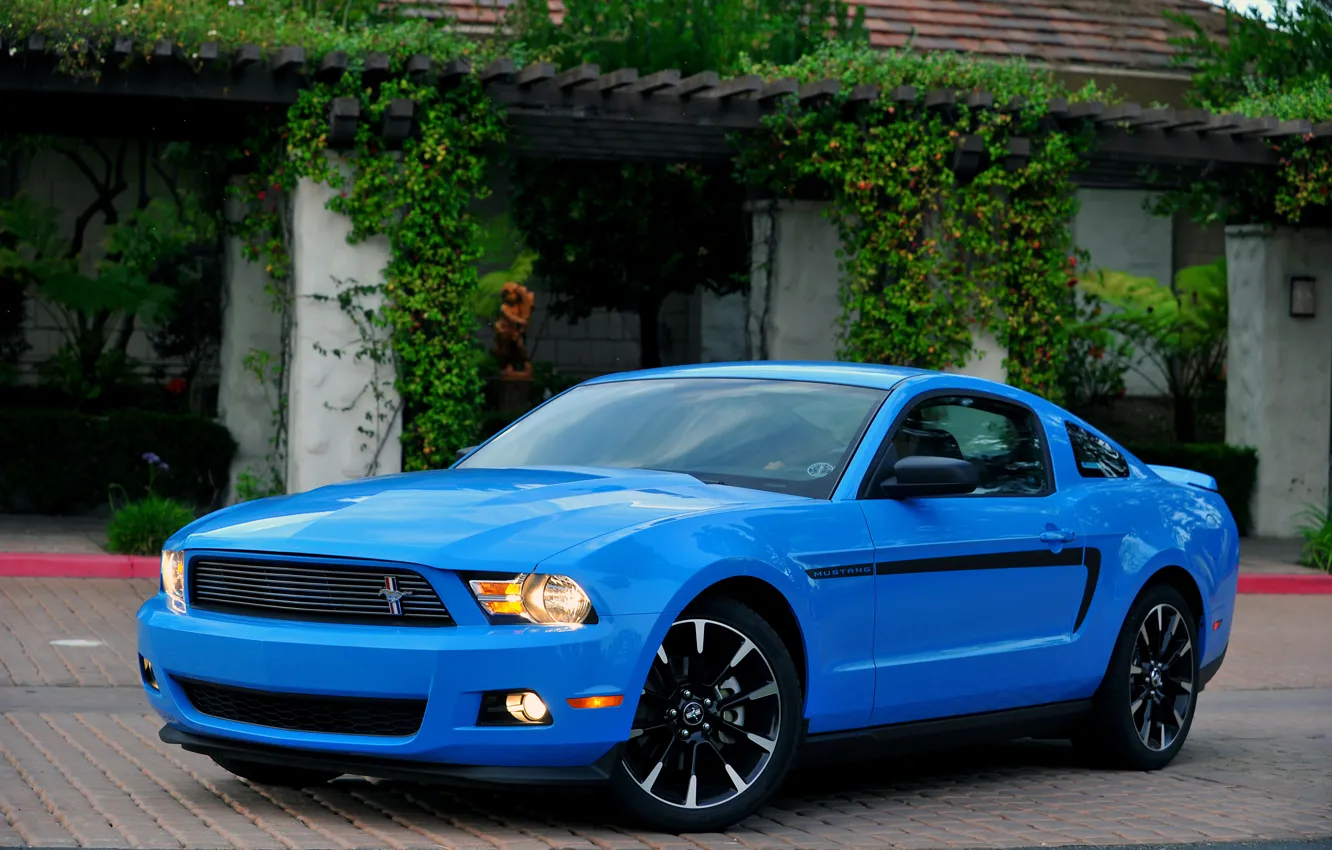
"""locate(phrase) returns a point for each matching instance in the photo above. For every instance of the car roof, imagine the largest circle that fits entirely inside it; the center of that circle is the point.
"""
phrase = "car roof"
(851, 374)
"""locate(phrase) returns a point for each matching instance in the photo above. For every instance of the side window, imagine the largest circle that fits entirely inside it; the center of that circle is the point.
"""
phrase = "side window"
(1095, 457)
(1002, 440)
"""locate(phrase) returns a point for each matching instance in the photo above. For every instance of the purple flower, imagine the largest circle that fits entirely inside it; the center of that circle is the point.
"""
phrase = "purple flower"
(151, 458)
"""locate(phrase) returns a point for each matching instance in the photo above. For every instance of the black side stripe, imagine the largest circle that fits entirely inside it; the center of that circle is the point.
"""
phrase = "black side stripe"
(1093, 562)
(850, 571)
(1070, 557)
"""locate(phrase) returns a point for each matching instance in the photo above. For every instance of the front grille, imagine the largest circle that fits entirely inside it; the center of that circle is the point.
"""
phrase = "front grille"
(336, 593)
(306, 713)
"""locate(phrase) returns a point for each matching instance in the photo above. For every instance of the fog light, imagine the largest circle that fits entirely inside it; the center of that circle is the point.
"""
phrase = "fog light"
(146, 671)
(513, 708)
(527, 707)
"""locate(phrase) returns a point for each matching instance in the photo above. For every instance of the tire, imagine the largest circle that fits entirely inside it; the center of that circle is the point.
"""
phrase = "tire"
(716, 731)
(1144, 708)
(277, 775)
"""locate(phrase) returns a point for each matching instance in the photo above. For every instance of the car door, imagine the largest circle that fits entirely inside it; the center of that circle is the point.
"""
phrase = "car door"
(976, 596)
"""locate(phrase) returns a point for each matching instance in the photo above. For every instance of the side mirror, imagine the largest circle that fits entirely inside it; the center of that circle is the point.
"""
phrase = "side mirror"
(462, 453)
(930, 476)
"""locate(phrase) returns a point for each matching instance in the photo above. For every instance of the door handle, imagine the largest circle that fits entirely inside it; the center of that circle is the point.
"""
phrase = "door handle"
(1064, 536)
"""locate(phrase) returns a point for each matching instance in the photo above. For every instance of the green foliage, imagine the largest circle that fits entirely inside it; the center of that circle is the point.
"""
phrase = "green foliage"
(926, 257)
(688, 35)
(1097, 359)
(81, 31)
(501, 244)
(1181, 330)
(421, 200)
(1279, 67)
(62, 462)
(142, 527)
(625, 236)
(89, 309)
(1316, 529)
(1235, 469)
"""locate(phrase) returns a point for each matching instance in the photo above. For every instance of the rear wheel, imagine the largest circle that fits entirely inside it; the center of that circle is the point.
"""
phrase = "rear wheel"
(277, 775)
(717, 724)
(1144, 708)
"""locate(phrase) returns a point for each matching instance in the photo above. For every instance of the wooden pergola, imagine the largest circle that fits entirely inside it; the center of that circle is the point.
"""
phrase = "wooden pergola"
(580, 113)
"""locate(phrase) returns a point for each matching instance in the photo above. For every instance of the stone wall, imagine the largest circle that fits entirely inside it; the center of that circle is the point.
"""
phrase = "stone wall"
(1279, 370)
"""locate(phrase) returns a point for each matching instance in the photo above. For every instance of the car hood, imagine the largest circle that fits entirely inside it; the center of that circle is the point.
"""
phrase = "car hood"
(482, 519)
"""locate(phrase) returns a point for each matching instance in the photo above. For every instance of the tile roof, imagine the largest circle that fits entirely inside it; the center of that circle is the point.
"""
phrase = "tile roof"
(1103, 33)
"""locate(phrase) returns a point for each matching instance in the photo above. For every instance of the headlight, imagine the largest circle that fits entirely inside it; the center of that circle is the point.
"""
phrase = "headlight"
(544, 599)
(173, 579)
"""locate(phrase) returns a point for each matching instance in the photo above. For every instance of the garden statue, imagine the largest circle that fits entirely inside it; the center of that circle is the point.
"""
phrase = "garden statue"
(511, 332)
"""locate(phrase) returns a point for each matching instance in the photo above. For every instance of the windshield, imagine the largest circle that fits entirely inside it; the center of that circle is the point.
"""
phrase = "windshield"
(784, 436)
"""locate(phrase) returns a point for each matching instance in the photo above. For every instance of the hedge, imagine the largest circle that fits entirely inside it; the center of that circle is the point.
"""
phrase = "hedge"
(63, 462)
(1235, 469)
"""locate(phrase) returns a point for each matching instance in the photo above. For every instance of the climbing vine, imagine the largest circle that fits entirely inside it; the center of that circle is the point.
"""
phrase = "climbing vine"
(932, 254)
(419, 197)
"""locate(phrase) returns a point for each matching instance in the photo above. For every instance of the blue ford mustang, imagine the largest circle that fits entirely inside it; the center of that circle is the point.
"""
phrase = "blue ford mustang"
(679, 581)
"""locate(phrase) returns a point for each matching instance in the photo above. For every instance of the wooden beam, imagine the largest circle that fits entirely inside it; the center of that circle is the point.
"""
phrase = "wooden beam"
(210, 52)
(818, 91)
(777, 89)
(1155, 117)
(1018, 153)
(376, 69)
(653, 83)
(397, 122)
(498, 71)
(1192, 119)
(864, 93)
(418, 64)
(1119, 112)
(616, 80)
(537, 72)
(35, 45)
(247, 55)
(1322, 130)
(735, 87)
(903, 95)
(121, 47)
(452, 72)
(1090, 109)
(940, 99)
(163, 51)
(332, 67)
(967, 154)
(1285, 129)
(698, 83)
(980, 100)
(287, 60)
(343, 115)
(576, 77)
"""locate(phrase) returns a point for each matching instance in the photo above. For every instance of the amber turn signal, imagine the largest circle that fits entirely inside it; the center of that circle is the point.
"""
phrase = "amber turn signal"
(596, 702)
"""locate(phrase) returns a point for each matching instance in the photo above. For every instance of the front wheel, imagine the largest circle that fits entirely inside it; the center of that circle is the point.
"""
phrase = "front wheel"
(717, 724)
(1144, 708)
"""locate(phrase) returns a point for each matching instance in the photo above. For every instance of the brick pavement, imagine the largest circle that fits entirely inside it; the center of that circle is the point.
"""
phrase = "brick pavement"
(82, 766)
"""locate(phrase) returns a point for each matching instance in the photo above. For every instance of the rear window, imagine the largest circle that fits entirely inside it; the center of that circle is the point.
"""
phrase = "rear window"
(1095, 457)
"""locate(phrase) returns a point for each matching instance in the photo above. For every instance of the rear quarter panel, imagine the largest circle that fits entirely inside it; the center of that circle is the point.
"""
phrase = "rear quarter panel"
(1141, 525)
(817, 554)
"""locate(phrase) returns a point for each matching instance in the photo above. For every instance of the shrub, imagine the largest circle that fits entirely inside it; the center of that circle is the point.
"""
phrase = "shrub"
(142, 527)
(1235, 469)
(60, 462)
(1317, 534)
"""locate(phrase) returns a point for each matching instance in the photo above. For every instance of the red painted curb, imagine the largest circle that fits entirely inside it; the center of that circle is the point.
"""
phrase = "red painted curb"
(1286, 584)
(55, 565)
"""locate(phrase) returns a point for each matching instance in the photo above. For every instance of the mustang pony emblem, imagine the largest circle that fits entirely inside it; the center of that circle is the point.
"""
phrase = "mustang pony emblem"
(394, 596)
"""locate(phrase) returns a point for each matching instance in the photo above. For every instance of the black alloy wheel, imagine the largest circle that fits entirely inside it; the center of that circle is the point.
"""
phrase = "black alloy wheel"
(716, 725)
(1145, 705)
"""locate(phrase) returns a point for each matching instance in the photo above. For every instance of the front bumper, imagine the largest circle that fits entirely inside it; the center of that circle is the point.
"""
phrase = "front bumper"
(449, 667)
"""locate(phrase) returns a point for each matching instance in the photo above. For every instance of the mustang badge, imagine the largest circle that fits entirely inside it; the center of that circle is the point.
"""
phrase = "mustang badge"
(394, 596)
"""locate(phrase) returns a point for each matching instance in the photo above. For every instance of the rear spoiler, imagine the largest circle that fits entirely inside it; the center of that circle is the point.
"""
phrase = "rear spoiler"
(1185, 477)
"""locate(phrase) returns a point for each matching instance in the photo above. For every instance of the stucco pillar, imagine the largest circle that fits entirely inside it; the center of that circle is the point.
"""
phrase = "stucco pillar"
(330, 403)
(250, 324)
(794, 308)
(1279, 369)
